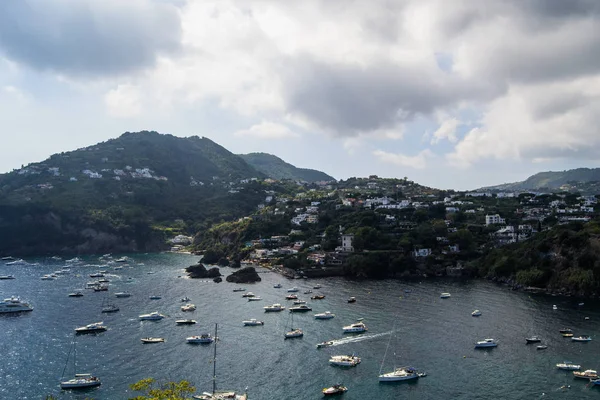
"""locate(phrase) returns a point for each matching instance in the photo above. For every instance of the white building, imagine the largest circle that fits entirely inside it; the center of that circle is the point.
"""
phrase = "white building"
(494, 219)
(347, 243)
(422, 253)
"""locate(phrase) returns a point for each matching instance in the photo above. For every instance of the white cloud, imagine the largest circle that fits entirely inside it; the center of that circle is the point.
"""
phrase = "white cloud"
(418, 162)
(446, 130)
(124, 101)
(16, 93)
(267, 130)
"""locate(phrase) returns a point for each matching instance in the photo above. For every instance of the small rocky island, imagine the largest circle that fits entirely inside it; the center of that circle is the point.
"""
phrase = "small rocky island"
(199, 271)
(244, 275)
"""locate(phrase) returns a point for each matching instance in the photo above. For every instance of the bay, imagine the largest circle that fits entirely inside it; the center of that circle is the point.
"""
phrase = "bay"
(434, 335)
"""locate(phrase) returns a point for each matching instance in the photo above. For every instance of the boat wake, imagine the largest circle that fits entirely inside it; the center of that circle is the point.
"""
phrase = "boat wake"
(354, 339)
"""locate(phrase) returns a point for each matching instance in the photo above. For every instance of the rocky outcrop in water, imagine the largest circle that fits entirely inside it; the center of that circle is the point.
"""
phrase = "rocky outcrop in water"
(199, 271)
(244, 275)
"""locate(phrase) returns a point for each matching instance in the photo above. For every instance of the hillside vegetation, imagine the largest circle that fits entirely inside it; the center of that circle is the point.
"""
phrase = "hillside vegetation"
(274, 167)
(584, 180)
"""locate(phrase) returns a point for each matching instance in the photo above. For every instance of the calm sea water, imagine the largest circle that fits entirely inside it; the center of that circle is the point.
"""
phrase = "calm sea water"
(433, 335)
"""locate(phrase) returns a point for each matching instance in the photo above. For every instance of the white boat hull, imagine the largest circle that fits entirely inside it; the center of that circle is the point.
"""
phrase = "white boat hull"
(80, 383)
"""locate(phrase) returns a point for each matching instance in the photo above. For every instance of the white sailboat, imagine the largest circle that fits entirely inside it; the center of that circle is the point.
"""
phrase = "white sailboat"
(293, 332)
(79, 380)
(398, 374)
(219, 394)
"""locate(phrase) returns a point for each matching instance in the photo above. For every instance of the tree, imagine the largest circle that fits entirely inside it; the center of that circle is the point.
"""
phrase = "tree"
(167, 391)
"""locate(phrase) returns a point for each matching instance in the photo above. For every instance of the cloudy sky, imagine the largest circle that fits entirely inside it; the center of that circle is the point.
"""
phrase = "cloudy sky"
(452, 94)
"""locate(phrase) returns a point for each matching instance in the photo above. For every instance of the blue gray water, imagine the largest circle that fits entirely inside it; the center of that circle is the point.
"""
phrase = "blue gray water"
(433, 334)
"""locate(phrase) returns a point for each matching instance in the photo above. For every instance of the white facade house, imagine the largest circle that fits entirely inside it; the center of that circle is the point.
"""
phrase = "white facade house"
(347, 243)
(422, 253)
(494, 219)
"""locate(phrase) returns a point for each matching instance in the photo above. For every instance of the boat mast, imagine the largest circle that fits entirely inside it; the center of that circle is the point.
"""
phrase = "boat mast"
(215, 362)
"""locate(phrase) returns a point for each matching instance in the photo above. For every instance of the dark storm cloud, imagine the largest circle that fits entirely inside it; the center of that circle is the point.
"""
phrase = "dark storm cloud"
(87, 37)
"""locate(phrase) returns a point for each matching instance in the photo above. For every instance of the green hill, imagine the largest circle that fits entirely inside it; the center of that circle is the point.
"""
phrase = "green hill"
(274, 167)
(585, 180)
(126, 194)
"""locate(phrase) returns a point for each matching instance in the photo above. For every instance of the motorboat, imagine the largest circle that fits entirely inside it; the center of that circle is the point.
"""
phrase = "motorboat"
(109, 308)
(122, 259)
(97, 275)
(568, 366)
(277, 286)
(400, 374)
(122, 294)
(357, 327)
(566, 330)
(20, 261)
(80, 381)
(445, 295)
(541, 347)
(291, 297)
(101, 288)
(73, 260)
(255, 298)
(595, 382)
(7, 258)
(91, 328)
(325, 315)
(298, 302)
(587, 374)
(153, 316)
(554, 307)
(292, 290)
(76, 294)
(344, 361)
(533, 339)
(300, 308)
(307, 291)
(317, 287)
(334, 390)
(14, 304)
(253, 322)
(476, 313)
(274, 308)
(104, 280)
(152, 340)
(3, 277)
(317, 297)
(185, 321)
(567, 335)
(325, 344)
(47, 278)
(155, 297)
(581, 338)
(248, 294)
(239, 289)
(352, 300)
(188, 307)
(204, 338)
(294, 333)
(485, 343)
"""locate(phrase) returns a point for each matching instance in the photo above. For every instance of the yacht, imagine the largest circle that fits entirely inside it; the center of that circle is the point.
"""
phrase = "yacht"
(97, 275)
(317, 297)
(486, 343)
(253, 322)
(307, 291)
(568, 366)
(567, 335)
(566, 330)
(291, 297)
(152, 340)
(581, 338)
(541, 347)
(476, 313)
(255, 298)
(344, 361)
(325, 315)
(20, 261)
(101, 288)
(7, 277)
(400, 374)
(205, 338)
(185, 321)
(587, 374)
(357, 327)
(248, 294)
(188, 307)
(109, 308)
(445, 295)
(155, 297)
(292, 290)
(122, 259)
(533, 339)
(14, 304)
(153, 316)
(277, 286)
(352, 300)
(317, 287)
(47, 278)
(300, 308)
(91, 328)
(298, 302)
(294, 333)
(186, 299)
(334, 390)
(554, 307)
(122, 294)
(76, 294)
(239, 289)
(274, 308)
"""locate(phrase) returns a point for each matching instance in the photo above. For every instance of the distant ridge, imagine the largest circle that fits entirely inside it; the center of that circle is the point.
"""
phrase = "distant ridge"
(582, 179)
(274, 167)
